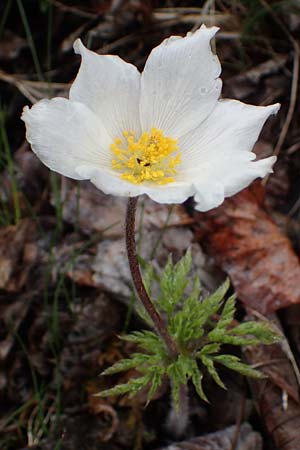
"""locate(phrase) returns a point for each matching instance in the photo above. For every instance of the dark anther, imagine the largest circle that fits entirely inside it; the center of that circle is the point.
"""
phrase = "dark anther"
(140, 160)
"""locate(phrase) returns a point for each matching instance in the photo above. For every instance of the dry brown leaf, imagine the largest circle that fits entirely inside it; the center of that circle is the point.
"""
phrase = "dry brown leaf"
(291, 320)
(257, 256)
(244, 439)
(87, 208)
(18, 254)
(161, 230)
(243, 84)
(105, 265)
(275, 396)
(276, 362)
(97, 319)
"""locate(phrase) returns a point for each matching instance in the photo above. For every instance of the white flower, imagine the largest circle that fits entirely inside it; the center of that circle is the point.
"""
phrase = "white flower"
(164, 133)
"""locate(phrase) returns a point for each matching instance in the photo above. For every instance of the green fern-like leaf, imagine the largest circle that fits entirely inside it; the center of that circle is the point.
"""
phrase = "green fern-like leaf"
(209, 364)
(148, 341)
(136, 360)
(189, 323)
(263, 331)
(142, 313)
(198, 334)
(211, 304)
(132, 387)
(209, 349)
(227, 314)
(183, 326)
(156, 382)
(224, 337)
(174, 282)
(148, 278)
(234, 363)
(197, 377)
(247, 333)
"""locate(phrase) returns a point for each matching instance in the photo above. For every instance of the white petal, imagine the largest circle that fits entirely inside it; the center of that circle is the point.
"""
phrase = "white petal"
(232, 128)
(217, 156)
(110, 87)
(180, 84)
(226, 178)
(236, 177)
(110, 182)
(65, 134)
(176, 192)
(209, 195)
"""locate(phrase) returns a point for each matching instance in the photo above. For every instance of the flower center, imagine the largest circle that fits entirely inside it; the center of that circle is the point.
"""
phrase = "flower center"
(153, 157)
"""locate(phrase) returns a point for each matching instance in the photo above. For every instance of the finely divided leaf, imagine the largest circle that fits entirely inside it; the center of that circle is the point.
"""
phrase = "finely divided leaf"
(209, 349)
(212, 304)
(197, 377)
(132, 387)
(174, 282)
(148, 277)
(188, 324)
(227, 314)
(224, 337)
(136, 361)
(234, 363)
(197, 336)
(156, 381)
(263, 331)
(209, 364)
(148, 341)
(247, 333)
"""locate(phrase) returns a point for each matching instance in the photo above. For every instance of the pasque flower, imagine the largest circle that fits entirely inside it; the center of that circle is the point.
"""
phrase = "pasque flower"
(165, 133)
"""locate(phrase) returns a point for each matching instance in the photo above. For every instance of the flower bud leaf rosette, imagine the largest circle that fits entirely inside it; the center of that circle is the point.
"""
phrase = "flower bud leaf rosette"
(164, 132)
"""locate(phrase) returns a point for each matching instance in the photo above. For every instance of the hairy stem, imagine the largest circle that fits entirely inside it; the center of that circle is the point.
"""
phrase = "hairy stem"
(138, 281)
(178, 420)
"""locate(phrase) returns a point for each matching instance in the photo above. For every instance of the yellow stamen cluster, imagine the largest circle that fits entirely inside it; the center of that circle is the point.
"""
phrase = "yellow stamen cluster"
(153, 157)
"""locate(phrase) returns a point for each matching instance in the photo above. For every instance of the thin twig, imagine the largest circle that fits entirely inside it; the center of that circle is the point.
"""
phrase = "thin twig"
(295, 78)
(73, 10)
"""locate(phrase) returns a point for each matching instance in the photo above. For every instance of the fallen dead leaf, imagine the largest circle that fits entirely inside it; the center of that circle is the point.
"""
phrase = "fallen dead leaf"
(103, 264)
(276, 397)
(247, 439)
(17, 258)
(95, 321)
(276, 362)
(91, 211)
(243, 84)
(250, 248)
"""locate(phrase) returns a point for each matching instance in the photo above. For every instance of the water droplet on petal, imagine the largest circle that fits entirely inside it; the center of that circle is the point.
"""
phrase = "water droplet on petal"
(203, 90)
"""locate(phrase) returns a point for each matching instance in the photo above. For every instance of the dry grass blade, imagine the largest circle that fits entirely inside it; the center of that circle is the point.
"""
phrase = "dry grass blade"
(35, 90)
